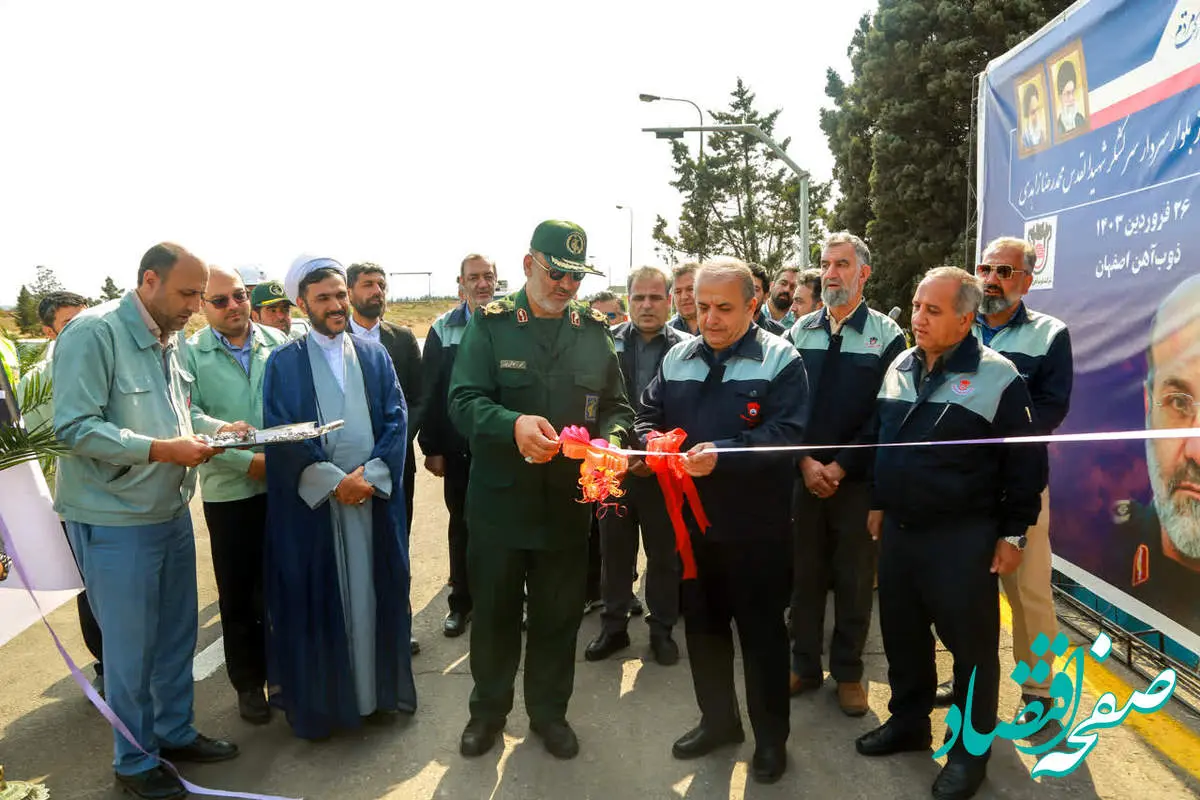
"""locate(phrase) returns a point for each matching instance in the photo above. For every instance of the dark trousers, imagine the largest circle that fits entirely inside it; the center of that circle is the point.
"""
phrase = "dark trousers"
(88, 625)
(643, 508)
(832, 551)
(940, 576)
(554, 580)
(410, 484)
(236, 530)
(744, 582)
(454, 489)
(595, 563)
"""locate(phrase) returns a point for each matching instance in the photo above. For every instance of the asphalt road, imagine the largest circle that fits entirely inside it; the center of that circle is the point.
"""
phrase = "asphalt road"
(626, 712)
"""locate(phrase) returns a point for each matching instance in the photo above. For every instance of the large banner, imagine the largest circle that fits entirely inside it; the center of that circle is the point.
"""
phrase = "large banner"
(1089, 148)
(30, 531)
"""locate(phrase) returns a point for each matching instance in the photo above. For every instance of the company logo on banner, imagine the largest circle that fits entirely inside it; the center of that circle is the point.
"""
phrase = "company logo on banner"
(1043, 235)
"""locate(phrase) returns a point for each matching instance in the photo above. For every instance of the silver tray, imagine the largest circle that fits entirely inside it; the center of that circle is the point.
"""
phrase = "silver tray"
(277, 435)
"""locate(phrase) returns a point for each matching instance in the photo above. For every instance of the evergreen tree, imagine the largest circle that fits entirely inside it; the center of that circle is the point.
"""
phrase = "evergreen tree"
(110, 290)
(27, 313)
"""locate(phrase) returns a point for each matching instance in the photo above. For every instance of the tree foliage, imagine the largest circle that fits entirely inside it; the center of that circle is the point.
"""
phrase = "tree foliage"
(900, 129)
(45, 283)
(110, 290)
(27, 312)
(739, 199)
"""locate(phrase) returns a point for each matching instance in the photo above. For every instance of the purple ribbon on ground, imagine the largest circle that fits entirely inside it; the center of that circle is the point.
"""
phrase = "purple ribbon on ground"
(98, 702)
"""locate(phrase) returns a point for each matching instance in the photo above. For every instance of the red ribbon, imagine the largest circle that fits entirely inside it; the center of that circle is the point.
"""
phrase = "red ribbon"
(602, 469)
(676, 486)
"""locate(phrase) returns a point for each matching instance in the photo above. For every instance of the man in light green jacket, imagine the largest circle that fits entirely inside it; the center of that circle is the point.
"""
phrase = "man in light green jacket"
(121, 396)
(228, 360)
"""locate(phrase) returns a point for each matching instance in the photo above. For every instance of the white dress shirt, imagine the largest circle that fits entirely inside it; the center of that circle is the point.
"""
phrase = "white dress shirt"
(371, 334)
(331, 348)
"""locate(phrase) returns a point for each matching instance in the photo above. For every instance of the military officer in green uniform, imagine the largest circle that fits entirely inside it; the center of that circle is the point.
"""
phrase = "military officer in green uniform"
(528, 366)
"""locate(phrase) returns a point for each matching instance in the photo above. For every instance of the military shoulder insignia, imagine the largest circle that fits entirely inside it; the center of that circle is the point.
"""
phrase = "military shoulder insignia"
(575, 317)
(599, 316)
(522, 316)
(497, 307)
(1141, 565)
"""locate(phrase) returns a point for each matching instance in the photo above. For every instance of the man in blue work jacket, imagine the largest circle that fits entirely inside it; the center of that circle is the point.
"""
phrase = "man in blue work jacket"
(121, 396)
(736, 386)
(951, 518)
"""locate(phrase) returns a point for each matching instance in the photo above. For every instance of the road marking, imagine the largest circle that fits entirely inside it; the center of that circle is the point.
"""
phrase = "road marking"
(1161, 731)
(209, 660)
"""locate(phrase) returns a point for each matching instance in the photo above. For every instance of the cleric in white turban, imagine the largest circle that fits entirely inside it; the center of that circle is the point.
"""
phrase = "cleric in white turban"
(337, 578)
(304, 266)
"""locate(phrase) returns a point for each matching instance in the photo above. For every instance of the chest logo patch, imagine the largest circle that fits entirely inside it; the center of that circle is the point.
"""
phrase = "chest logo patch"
(1141, 565)
(507, 364)
(873, 343)
(962, 388)
(591, 407)
(752, 415)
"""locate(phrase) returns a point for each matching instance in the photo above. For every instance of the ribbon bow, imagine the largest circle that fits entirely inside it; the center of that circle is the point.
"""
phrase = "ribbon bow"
(676, 485)
(602, 469)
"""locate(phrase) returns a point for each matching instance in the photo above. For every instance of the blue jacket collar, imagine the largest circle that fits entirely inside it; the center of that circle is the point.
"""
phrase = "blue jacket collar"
(856, 320)
(748, 346)
(965, 357)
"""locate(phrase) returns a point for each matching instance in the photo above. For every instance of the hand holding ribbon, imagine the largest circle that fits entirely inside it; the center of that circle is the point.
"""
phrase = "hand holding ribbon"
(676, 485)
(603, 466)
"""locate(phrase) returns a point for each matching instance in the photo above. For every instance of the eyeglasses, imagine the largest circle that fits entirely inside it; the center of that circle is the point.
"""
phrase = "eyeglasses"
(239, 296)
(558, 274)
(1003, 271)
(1179, 409)
(613, 316)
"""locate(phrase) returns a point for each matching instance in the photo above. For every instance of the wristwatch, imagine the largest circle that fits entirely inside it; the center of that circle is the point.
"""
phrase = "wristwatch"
(1016, 541)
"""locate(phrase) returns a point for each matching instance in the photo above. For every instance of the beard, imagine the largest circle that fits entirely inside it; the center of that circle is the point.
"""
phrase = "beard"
(1179, 517)
(321, 323)
(835, 298)
(782, 301)
(371, 309)
(546, 299)
(995, 304)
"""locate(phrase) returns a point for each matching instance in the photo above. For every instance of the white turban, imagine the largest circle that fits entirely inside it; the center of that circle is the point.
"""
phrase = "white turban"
(300, 269)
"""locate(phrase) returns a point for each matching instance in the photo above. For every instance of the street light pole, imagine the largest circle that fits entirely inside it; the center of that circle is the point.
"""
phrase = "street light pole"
(652, 98)
(773, 146)
(630, 210)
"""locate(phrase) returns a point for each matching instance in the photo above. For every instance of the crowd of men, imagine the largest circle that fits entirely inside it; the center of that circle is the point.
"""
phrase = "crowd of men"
(310, 538)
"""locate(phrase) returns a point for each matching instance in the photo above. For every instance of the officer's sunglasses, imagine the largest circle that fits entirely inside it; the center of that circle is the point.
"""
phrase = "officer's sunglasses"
(1003, 271)
(558, 274)
(239, 296)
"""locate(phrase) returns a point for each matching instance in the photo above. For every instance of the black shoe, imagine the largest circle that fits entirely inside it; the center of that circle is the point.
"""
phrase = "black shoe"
(769, 763)
(479, 736)
(604, 645)
(1050, 729)
(959, 780)
(666, 652)
(381, 717)
(154, 784)
(944, 698)
(252, 706)
(456, 623)
(560, 741)
(414, 645)
(202, 750)
(636, 608)
(891, 738)
(700, 741)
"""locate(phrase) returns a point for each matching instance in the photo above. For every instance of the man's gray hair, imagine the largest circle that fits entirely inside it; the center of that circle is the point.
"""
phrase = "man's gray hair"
(970, 289)
(644, 273)
(861, 251)
(462, 267)
(1024, 246)
(728, 269)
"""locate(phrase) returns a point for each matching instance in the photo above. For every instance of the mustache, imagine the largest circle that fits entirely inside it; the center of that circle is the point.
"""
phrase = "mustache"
(1188, 473)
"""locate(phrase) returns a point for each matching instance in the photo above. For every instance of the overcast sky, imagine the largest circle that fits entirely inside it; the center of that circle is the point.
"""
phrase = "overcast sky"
(406, 134)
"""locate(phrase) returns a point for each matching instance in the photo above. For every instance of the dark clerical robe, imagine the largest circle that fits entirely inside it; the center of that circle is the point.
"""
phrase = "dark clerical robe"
(337, 578)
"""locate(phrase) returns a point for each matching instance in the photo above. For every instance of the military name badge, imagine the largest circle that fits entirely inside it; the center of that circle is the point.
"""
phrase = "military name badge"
(591, 407)
(508, 364)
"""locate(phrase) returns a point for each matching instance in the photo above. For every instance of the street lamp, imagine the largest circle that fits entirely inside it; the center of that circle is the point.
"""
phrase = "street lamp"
(630, 210)
(757, 133)
(653, 98)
